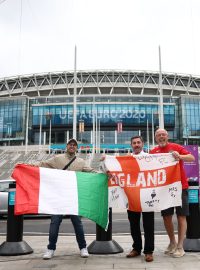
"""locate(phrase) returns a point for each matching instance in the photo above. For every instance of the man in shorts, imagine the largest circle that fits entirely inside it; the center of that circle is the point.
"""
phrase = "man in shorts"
(174, 248)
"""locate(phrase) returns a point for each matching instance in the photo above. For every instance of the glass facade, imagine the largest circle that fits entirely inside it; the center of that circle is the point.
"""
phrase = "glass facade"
(12, 119)
(138, 115)
(107, 111)
(190, 116)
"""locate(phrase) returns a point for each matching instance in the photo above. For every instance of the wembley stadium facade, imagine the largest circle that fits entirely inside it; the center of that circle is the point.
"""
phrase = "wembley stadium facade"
(38, 108)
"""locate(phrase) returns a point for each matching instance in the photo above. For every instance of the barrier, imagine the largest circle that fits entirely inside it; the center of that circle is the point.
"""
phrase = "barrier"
(14, 245)
(192, 241)
(104, 243)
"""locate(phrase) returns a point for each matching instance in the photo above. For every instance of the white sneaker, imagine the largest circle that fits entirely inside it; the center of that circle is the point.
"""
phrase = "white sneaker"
(48, 254)
(84, 253)
(171, 249)
(178, 253)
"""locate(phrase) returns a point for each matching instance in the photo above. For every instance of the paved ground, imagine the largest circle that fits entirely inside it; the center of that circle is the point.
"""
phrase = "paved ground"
(67, 256)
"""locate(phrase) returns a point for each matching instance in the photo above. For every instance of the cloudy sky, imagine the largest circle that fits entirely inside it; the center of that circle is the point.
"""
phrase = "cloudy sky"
(40, 35)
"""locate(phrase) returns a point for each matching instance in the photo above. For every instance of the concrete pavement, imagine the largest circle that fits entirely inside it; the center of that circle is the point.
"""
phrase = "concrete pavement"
(67, 256)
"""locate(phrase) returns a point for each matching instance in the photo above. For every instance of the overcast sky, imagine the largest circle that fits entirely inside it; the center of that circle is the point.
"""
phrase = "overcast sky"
(40, 35)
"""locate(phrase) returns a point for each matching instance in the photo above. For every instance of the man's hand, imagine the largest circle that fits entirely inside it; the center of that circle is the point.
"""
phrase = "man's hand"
(176, 155)
(109, 175)
(103, 157)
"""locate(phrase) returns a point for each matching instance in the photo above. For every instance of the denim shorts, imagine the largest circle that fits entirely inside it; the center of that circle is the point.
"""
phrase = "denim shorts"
(180, 210)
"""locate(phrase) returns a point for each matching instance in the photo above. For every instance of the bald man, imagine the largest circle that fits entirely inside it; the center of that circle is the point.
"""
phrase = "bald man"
(175, 249)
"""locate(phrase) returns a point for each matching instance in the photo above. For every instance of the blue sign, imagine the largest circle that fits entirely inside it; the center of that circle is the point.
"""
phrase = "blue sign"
(193, 195)
(11, 200)
(108, 114)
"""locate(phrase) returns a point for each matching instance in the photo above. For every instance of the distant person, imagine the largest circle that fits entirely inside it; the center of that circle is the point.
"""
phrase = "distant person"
(67, 161)
(174, 248)
(137, 145)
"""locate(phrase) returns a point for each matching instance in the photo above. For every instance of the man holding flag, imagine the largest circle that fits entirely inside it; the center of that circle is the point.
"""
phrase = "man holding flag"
(174, 248)
(66, 161)
(137, 145)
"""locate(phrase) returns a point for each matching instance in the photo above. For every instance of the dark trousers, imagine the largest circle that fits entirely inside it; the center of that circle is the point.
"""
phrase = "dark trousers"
(148, 225)
(54, 230)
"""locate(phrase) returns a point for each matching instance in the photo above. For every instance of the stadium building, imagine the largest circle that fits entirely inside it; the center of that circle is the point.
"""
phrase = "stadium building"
(112, 106)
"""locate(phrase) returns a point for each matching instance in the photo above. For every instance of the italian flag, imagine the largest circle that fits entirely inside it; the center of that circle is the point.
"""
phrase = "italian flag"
(50, 191)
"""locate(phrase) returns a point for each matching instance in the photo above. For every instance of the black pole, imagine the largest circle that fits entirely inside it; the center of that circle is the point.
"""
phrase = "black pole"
(14, 245)
(192, 241)
(104, 243)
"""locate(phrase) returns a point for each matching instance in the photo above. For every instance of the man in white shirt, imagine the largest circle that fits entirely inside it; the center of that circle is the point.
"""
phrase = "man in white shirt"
(137, 144)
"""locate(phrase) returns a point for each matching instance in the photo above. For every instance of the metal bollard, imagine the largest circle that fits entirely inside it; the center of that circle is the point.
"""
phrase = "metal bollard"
(192, 241)
(104, 243)
(14, 245)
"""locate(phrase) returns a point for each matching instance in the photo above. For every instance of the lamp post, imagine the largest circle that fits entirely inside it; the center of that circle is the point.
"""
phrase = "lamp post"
(147, 135)
(27, 120)
(152, 122)
(93, 126)
(49, 117)
(74, 99)
(40, 135)
(161, 113)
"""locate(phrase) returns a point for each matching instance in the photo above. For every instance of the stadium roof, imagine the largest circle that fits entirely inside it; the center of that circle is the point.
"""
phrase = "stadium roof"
(99, 82)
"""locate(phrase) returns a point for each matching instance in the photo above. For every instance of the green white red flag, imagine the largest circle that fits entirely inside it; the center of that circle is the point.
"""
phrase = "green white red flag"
(51, 191)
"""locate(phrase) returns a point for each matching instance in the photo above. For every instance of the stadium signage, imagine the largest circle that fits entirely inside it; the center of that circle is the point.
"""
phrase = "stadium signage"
(112, 114)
